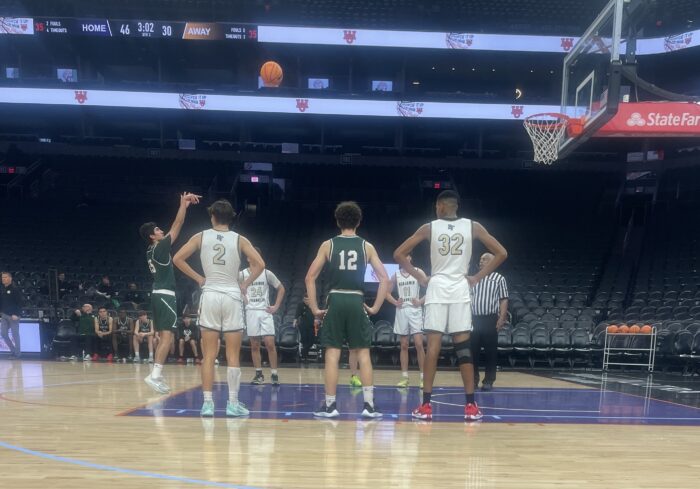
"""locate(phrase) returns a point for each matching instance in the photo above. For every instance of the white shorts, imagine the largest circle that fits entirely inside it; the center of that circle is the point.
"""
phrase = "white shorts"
(220, 312)
(408, 321)
(448, 318)
(259, 322)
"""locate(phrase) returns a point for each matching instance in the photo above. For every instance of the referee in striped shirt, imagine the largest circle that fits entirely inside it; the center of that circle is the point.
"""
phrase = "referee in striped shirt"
(489, 314)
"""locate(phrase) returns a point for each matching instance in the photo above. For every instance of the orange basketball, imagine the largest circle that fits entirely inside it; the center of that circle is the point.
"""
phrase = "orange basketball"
(271, 74)
(612, 329)
(646, 329)
(623, 329)
(635, 329)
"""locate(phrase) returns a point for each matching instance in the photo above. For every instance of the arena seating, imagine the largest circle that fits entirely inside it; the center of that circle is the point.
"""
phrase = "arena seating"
(563, 270)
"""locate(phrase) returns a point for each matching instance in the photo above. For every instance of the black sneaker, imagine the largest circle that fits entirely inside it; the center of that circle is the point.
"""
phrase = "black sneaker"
(258, 379)
(275, 379)
(327, 411)
(486, 387)
(371, 411)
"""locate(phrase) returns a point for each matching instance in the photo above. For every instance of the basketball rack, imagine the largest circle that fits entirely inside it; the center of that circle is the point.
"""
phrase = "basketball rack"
(613, 352)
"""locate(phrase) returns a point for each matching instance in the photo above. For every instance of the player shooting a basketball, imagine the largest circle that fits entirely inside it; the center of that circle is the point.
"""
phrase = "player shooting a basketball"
(163, 301)
(448, 294)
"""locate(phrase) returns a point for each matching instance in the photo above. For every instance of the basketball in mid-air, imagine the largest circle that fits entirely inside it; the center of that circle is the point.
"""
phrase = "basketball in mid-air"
(271, 74)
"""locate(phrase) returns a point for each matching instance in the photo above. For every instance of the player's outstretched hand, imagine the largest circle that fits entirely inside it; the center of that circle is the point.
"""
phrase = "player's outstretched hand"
(319, 313)
(188, 198)
(370, 310)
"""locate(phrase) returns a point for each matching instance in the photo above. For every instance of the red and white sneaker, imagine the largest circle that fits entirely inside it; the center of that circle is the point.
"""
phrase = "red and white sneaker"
(95, 357)
(424, 411)
(110, 358)
(472, 412)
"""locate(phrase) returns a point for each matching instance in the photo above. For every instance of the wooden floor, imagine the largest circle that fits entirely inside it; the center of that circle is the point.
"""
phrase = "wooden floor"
(59, 428)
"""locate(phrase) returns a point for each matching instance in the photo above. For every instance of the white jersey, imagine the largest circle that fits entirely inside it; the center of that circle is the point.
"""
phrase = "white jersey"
(407, 287)
(221, 261)
(259, 290)
(450, 254)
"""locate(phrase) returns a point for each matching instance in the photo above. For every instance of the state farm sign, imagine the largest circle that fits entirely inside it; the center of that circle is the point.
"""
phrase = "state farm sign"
(649, 119)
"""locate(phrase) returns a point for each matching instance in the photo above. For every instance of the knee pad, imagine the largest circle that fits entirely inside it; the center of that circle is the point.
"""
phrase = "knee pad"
(463, 351)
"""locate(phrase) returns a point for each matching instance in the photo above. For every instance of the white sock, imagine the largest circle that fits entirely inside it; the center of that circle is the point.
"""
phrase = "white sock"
(329, 400)
(150, 355)
(234, 383)
(208, 396)
(368, 394)
(157, 371)
(273, 371)
(404, 374)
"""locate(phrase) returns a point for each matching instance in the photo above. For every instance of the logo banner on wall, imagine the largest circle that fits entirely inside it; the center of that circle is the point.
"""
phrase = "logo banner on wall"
(654, 119)
(218, 31)
(280, 105)
(16, 25)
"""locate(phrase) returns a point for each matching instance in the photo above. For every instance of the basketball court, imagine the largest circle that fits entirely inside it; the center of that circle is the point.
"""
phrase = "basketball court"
(66, 422)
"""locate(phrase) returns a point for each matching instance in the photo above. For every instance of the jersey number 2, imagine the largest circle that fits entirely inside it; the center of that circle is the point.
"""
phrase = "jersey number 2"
(219, 257)
(451, 245)
(352, 260)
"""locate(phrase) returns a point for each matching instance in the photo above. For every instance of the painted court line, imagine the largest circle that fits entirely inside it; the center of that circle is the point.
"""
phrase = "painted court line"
(120, 470)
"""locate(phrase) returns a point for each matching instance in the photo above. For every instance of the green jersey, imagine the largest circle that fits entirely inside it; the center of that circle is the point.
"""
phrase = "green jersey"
(348, 261)
(144, 327)
(160, 264)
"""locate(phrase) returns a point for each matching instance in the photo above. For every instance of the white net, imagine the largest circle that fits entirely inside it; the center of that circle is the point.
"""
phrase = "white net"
(546, 132)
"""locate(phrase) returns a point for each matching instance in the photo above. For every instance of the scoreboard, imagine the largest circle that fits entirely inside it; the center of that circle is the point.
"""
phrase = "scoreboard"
(206, 31)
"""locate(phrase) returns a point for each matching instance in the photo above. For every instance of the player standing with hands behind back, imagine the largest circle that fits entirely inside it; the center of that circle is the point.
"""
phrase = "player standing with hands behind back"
(448, 295)
(346, 318)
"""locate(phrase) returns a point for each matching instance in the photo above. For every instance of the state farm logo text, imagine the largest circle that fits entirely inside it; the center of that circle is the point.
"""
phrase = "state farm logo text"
(657, 119)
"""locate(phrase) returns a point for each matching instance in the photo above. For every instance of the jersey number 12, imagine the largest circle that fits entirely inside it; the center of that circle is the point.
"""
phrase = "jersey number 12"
(351, 262)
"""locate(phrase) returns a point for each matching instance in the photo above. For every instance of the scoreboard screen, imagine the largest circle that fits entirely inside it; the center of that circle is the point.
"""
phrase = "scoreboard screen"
(206, 31)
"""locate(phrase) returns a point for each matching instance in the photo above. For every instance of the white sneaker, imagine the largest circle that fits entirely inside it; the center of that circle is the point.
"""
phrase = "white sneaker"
(150, 359)
(137, 359)
(216, 362)
(159, 385)
(86, 358)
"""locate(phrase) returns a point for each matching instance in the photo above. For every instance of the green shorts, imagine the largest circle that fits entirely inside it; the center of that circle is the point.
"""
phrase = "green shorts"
(164, 312)
(346, 321)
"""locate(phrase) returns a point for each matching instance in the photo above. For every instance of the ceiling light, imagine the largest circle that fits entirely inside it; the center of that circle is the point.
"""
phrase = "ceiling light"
(416, 82)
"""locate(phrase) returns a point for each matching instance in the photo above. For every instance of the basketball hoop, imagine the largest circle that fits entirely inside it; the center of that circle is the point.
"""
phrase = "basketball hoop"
(546, 131)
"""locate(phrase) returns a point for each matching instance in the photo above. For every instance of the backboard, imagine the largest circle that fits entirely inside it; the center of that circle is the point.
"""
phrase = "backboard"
(592, 74)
